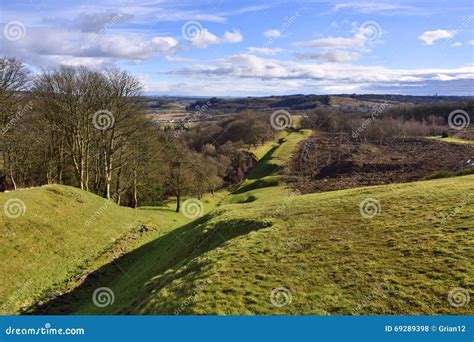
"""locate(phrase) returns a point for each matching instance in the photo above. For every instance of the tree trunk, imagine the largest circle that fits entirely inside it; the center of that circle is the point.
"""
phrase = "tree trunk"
(13, 180)
(178, 199)
(107, 176)
(135, 190)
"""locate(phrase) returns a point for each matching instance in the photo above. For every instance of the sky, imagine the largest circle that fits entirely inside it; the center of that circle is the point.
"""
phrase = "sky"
(253, 48)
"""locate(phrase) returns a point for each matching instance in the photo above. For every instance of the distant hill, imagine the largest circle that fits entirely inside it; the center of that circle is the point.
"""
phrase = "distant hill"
(301, 103)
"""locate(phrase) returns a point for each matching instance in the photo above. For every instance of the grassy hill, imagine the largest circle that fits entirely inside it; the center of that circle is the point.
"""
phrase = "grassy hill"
(61, 231)
(267, 250)
(52, 236)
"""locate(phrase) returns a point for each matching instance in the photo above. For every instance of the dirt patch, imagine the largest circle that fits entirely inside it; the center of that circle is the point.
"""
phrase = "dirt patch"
(331, 162)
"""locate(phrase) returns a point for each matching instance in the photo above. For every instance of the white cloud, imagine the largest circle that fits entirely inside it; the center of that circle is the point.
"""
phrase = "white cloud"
(362, 35)
(232, 37)
(164, 44)
(457, 44)
(245, 66)
(334, 56)
(369, 7)
(45, 46)
(93, 22)
(442, 77)
(265, 51)
(333, 42)
(471, 42)
(205, 38)
(429, 37)
(272, 33)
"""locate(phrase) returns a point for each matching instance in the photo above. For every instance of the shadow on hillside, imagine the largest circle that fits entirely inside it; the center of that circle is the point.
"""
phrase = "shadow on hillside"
(147, 269)
(258, 184)
(264, 167)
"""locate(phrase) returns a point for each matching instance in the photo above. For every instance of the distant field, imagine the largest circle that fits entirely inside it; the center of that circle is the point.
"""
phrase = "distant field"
(325, 163)
(403, 256)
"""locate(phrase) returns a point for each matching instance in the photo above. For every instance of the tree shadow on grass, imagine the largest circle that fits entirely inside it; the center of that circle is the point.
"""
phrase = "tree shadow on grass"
(258, 184)
(264, 167)
(134, 276)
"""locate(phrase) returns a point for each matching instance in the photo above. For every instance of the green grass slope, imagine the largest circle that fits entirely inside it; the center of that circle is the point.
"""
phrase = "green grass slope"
(59, 233)
(270, 251)
(405, 260)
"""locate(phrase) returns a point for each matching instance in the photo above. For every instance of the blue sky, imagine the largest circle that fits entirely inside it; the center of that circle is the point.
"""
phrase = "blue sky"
(248, 48)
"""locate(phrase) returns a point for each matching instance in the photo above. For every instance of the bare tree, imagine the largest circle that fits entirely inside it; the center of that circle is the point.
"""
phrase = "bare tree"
(14, 80)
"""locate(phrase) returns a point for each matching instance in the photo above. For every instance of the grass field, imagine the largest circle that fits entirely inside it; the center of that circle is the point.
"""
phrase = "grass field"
(391, 249)
(64, 233)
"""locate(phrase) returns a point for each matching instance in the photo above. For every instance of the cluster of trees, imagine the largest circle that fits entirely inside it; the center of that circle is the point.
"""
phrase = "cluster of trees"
(291, 103)
(73, 125)
(385, 122)
(87, 128)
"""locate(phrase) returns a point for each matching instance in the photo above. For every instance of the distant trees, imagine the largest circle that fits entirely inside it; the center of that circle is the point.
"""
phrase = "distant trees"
(248, 127)
(189, 172)
(385, 122)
